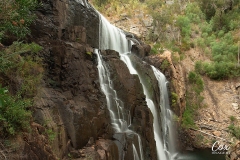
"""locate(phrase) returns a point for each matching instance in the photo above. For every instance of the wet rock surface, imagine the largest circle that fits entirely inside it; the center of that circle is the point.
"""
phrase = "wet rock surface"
(131, 93)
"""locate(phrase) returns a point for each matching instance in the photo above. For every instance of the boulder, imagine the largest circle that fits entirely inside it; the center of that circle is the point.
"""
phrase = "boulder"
(141, 50)
(235, 106)
(217, 133)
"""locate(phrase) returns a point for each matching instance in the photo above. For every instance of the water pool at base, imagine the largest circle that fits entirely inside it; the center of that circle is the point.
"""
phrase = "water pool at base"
(205, 154)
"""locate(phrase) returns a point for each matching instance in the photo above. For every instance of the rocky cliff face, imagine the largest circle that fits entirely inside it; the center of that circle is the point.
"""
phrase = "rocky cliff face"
(71, 119)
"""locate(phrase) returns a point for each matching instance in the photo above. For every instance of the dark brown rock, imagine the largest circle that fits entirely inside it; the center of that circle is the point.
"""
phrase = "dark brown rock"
(131, 93)
(70, 102)
(141, 50)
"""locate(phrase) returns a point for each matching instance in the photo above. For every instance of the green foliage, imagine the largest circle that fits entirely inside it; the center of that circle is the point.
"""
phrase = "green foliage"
(156, 48)
(51, 134)
(194, 13)
(196, 81)
(13, 114)
(193, 99)
(20, 69)
(31, 72)
(16, 17)
(183, 23)
(224, 50)
(10, 57)
(224, 55)
(27, 69)
(206, 27)
(154, 4)
(174, 98)
(90, 54)
(234, 130)
(232, 118)
(188, 117)
(100, 2)
(165, 64)
(218, 70)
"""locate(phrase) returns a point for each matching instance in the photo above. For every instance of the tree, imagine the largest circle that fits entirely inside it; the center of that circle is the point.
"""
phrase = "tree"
(16, 16)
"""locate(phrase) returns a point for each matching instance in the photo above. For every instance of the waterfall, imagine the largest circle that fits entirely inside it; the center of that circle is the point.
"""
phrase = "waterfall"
(166, 115)
(156, 126)
(120, 118)
(114, 38)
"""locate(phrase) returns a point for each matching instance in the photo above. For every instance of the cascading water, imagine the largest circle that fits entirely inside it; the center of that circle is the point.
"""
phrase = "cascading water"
(156, 126)
(166, 115)
(119, 116)
(113, 38)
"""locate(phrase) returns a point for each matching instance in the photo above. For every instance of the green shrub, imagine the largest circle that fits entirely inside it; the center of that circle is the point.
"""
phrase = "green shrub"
(10, 57)
(25, 68)
(30, 71)
(235, 131)
(156, 48)
(16, 17)
(220, 33)
(13, 114)
(51, 134)
(20, 68)
(196, 81)
(206, 27)
(193, 99)
(194, 13)
(174, 98)
(188, 117)
(232, 118)
(218, 70)
(199, 67)
(200, 42)
(184, 24)
(165, 64)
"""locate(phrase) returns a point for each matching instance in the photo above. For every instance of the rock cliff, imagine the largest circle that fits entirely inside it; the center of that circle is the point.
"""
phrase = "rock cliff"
(71, 119)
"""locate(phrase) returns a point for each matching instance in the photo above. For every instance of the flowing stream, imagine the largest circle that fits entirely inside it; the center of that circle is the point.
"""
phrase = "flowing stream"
(166, 116)
(114, 38)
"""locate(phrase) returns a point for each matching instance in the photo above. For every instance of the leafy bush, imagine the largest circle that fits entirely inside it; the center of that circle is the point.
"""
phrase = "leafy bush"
(193, 99)
(174, 98)
(218, 70)
(232, 118)
(16, 17)
(206, 27)
(194, 13)
(13, 114)
(234, 130)
(165, 64)
(10, 57)
(224, 53)
(100, 2)
(20, 68)
(51, 134)
(184, 23)
(27, 69)
(156, 48)
(188, 117)
(196, 81)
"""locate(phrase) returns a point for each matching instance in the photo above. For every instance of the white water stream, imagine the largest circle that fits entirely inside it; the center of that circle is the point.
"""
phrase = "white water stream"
(114, 38)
